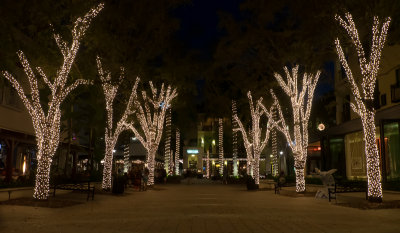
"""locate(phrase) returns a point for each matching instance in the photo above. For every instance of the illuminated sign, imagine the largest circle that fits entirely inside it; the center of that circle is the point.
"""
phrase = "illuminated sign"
(192, 151)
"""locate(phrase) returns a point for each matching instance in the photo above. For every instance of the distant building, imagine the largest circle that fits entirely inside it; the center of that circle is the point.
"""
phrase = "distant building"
(195, 154)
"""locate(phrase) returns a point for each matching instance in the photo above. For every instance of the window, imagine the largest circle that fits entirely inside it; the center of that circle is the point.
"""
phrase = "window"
(376, 96)
(10, 97)
(346, 109)
(383, 100)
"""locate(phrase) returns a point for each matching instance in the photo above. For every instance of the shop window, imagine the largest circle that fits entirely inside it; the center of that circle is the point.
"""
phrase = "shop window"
(355, 155)
(392, 149)
(337, 155)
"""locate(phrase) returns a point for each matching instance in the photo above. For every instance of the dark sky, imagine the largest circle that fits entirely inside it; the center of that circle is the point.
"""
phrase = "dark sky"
(199, 23)
(199, 31)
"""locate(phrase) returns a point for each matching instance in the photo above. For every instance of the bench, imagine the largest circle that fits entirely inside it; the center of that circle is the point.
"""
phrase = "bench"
(278, 186)
(83, 186)
(14, 190)
(345, 189)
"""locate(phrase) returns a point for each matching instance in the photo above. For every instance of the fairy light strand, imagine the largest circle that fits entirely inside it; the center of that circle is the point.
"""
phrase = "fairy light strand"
(274, 145)
(253, 142)
(112, 132)
(126, 158)
(221, 145)
(301, 102)
(363, 105)
(208, 165)
(150, 115)
(177, 151)
(167, 151)
(47, 125)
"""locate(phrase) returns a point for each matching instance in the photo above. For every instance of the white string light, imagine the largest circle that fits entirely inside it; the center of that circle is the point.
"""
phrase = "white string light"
(221, 145)
(301, 102)
(126, 158)
(167, 152)
(364, 104)
(150, 115)
(47, 126)
(253, 143)
(274, 148)
(208, 165)
(177, 151)
(112, 133)
(234, 139)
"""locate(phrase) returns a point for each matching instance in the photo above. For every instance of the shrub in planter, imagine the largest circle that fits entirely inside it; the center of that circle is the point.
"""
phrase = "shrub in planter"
(118, 184)
(251, 183)
(216, 177)
(174, 179)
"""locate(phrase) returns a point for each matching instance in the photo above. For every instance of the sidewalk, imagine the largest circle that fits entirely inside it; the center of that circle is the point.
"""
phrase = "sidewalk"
(198, 208)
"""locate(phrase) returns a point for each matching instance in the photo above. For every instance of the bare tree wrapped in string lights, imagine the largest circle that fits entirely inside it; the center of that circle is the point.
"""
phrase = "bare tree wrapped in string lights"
(112, 132)
(47, 125)
(177, 150)
(234, 139)
(253, 142)
(364, 101)
(167, 151)
(150, 115)
(301, 102)
(221, 145)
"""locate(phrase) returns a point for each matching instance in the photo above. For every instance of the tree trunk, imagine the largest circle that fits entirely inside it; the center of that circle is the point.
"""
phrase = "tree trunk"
(74, 165)
(42, 175)
(256, 169)
(235, 167)
(107, 170)
(150, 162)
(300, 181)
(372, 158)
(42, 179)
(90, 166)
(69, 145)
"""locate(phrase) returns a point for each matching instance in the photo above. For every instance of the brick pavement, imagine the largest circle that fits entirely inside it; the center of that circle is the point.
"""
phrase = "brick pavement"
(198, 208)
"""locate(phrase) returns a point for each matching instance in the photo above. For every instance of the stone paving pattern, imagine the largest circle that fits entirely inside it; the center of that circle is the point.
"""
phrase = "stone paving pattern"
(197, 208)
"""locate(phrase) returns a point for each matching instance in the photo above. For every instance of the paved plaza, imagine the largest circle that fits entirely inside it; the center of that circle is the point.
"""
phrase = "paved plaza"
(197, 208)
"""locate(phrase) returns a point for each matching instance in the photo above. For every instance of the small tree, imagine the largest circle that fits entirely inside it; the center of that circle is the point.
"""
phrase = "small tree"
(47, 125)
(301, 102)
(112, 133)
(221, 145)
(364, 102)
(253, 142)
(177, 150)
(150, 115)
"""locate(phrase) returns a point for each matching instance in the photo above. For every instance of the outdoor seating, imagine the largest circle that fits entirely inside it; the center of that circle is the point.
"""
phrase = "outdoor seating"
(82, 186)
(11, 190)
(345, 188)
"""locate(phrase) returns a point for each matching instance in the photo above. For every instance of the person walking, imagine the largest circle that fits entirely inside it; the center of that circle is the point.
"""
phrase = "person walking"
(145, 177)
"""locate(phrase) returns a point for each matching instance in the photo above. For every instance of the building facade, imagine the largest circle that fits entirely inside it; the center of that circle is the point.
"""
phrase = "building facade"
(343, 144)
